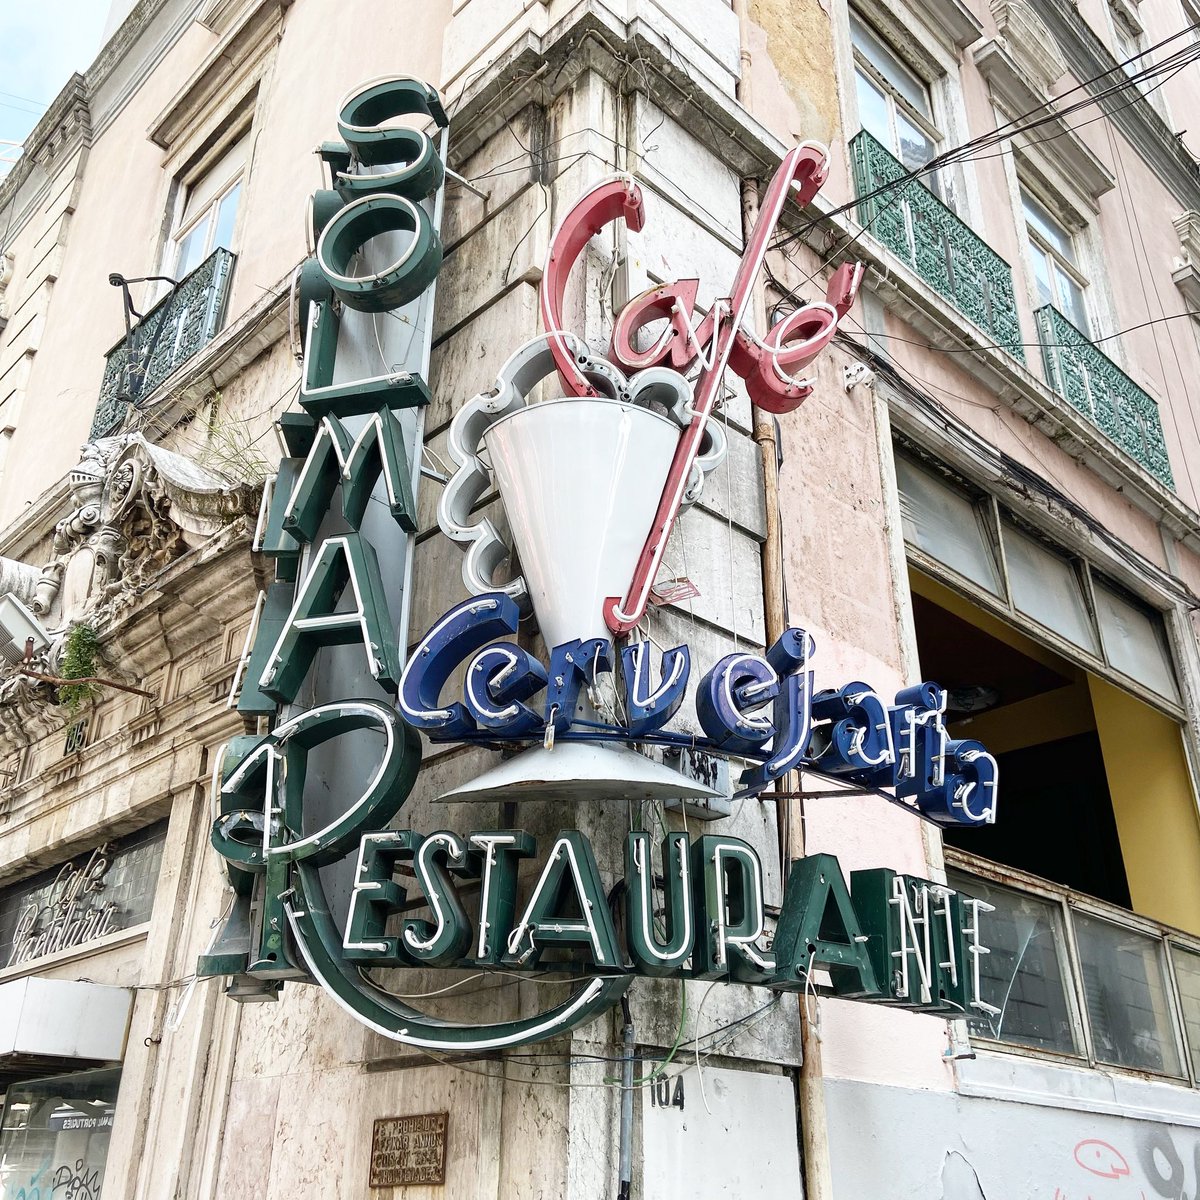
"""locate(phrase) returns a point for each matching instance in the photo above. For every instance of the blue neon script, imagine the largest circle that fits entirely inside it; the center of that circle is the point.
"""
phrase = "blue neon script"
(759, 707)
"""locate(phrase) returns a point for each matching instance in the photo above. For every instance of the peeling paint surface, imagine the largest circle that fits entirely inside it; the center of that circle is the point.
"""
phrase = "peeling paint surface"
(897, 1142)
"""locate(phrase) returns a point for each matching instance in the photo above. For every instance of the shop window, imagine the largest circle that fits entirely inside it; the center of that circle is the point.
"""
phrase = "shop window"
(1076, 978)
(1054, 260)
(1126, 989)
(55, 1133)
(1026, 977)
(207, 210)
(966, 537)
(1186, 964)
(894, 105)
(1134, 640)
(103, 890)
(1048, 588)
(1093, 864)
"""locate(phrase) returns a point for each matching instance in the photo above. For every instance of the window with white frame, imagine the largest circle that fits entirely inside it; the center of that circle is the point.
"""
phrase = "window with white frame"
(1038, 585)
(1074, 977)
(894, 105)
(207, 209)
(1055, 263)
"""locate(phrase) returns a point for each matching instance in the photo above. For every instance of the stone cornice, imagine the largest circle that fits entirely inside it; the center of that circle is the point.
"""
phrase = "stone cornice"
(239, 51)
(1139, 123)
(1014, 92)
(63, 127)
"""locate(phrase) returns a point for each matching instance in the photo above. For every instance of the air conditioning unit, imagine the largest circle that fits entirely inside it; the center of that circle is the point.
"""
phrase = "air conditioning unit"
(18, 626)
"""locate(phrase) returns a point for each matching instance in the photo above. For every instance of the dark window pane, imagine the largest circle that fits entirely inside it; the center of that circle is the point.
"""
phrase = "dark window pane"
(1124, 983)
(1024, 977)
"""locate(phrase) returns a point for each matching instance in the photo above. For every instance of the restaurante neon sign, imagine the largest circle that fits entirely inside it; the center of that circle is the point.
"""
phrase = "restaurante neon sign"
(450, 899)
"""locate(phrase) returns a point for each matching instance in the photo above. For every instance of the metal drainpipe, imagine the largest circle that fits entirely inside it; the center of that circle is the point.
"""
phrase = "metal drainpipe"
(625, 1171)
(813, 1127)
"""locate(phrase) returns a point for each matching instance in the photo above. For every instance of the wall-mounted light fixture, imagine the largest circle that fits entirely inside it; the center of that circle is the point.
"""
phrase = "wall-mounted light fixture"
(21, 633)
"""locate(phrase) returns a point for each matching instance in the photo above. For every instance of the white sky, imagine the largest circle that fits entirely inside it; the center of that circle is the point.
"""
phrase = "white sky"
(41, 43)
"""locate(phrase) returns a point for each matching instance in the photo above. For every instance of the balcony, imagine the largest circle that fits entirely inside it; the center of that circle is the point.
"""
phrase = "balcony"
(1094, 385)
(182, 323)
(945, 252)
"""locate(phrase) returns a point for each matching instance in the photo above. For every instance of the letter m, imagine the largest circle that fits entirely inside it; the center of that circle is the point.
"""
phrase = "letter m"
(356, 462)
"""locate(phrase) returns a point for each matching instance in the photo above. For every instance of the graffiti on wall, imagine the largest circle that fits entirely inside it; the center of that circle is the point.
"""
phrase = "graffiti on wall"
(999, 1150)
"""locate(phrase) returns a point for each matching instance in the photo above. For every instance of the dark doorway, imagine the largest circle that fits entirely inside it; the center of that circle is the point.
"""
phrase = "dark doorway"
(1055, 819)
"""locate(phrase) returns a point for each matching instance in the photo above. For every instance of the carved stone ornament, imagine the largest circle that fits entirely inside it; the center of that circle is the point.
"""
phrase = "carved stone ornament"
(133, 509)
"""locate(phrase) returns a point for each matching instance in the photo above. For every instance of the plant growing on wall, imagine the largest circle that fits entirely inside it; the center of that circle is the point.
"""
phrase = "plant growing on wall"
(228, 450)
(80, 661)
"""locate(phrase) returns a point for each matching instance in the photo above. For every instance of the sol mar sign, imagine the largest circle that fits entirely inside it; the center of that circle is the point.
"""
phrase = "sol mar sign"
(494, 899)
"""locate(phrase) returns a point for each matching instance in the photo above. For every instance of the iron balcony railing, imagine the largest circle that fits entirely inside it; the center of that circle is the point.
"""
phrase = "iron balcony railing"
(1095, 386)
(182, 323)
(947, 254)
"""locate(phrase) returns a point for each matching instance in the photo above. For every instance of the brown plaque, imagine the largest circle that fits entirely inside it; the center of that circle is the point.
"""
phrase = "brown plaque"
(408, 1150)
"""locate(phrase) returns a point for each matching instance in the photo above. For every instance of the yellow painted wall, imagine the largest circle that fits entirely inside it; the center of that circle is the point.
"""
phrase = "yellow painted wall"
(1062, 713)
(1154, 806)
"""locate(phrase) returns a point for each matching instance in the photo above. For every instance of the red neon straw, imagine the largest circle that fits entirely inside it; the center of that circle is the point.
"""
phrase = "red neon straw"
(808, 166)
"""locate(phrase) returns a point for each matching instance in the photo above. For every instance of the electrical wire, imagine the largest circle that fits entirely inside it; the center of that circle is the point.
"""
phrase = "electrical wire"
(1018, 125)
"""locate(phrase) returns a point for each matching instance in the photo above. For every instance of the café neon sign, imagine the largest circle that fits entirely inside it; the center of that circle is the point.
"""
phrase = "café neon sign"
(449, 899)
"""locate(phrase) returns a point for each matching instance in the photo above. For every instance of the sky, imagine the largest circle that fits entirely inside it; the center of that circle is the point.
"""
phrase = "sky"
(41, 43)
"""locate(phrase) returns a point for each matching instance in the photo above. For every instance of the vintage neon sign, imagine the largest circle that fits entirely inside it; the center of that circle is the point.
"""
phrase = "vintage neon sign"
(459, 900)
(880, 936)
(759, 707)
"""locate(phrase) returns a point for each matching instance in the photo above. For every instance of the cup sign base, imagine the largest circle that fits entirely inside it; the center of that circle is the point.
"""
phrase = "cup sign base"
(409, 1151)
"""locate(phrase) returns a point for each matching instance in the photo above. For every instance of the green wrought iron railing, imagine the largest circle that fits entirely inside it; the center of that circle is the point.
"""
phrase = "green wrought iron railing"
(1095, 386)
(182, 323)
(917, 227)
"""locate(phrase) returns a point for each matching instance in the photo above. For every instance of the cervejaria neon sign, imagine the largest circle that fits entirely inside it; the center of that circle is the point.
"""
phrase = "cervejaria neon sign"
(879, 936)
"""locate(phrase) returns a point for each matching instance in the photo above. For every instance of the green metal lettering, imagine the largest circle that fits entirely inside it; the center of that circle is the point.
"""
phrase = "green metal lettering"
(319, 394)
(728, 903)
(398, 283)
(444, 940)
(372, 143)
(376, 896)
(567, 907)
(818, 927)
(276, 542)
(915, 939)
(652, 955)
(500, 857)
(271, 622)
(315, 619)
(356, 462)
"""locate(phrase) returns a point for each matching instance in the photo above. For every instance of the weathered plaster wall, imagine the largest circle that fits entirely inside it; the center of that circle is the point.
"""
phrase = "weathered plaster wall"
(946, 1147)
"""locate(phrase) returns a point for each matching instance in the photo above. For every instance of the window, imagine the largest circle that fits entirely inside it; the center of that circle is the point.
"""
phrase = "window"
(1053, 259)
(946, 524)
(208, 206)
(1026, 976)
(98, 892)
(55, 1132)
(1062, 967)
(894, 106)
(1131, 49)
(1041, 588)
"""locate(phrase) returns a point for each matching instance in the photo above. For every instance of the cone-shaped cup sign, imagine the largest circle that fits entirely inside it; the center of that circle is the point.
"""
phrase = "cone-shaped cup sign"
(580, 480)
